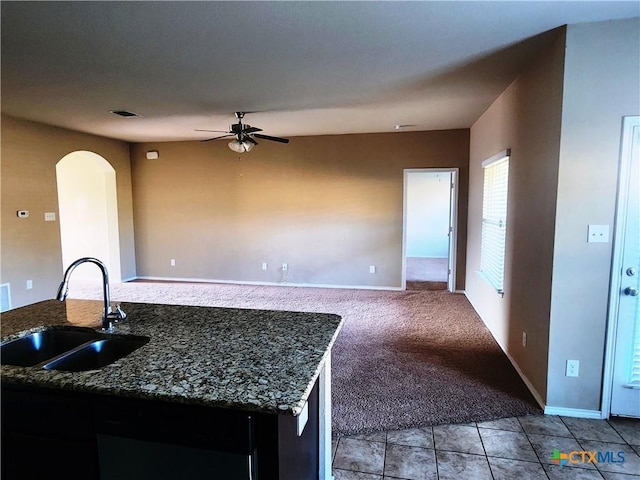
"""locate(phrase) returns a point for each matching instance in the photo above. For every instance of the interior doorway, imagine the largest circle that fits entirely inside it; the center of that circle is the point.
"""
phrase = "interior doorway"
(88, 211)
(429, 234)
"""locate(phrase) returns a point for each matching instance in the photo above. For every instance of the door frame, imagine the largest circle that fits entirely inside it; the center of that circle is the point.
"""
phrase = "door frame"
(102, 168)
(628, 124)
(453, 221)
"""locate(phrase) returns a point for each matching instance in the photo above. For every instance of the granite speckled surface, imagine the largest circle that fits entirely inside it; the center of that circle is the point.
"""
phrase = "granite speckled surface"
(254, 360)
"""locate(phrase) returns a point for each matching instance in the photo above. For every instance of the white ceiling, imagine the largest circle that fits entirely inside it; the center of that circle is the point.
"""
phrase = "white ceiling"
(303, 68)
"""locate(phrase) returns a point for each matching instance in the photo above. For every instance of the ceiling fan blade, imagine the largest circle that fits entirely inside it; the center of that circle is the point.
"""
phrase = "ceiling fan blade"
(216, 138)
(252, 130)
(274, 139)
(247, 138)
(214, 131)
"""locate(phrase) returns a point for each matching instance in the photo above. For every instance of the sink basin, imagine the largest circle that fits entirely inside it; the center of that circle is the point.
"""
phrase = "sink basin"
(72, 350)
(41, 346)
(97, 354)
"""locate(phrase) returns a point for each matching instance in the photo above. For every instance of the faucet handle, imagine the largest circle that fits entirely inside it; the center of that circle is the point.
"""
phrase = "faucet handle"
(117, 315)
(120, 315)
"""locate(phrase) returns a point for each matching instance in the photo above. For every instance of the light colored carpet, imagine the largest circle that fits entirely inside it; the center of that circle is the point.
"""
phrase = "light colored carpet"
(427, 273)
(422, 269)
(403, 359)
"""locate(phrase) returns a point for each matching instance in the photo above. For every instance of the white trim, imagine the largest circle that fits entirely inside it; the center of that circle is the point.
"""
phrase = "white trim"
(536, 395)
(482, 275)
(9, 304)
(302, 418)
(574, 412)
(455, 174)
(505, 154)
(453, 258)
(324, 420)
(125, 280)
(628, 123)
(280, 284)
(526, 381)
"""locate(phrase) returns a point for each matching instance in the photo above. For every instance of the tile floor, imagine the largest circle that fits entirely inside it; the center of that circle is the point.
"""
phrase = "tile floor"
(507, 449)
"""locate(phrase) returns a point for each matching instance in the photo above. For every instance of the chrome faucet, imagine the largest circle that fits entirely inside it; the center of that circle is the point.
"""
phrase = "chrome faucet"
(109, 317)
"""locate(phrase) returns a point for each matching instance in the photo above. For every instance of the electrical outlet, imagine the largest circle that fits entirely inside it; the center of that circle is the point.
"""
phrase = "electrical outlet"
(285, 267)
(29, 284)
(573, 368)
(173, 262)
(372, 269)
(524, 339)
(264, 265)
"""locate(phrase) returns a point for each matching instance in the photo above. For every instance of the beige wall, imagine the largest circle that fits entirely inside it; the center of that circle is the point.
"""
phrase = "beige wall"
(31, 247)
(601, 85)
(525, 118)
(327, 206)
(562, 118)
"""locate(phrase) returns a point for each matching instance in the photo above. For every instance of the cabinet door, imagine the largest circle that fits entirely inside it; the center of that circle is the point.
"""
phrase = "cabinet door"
(36, 457)
(124, 458)
(47, 435)
(153, 440)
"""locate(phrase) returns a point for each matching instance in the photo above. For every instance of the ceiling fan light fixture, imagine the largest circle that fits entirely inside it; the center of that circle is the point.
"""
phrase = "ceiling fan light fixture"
(240, 147)
(243, 135)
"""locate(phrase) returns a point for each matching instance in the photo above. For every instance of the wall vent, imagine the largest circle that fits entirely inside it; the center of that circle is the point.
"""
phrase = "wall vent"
(5, 297)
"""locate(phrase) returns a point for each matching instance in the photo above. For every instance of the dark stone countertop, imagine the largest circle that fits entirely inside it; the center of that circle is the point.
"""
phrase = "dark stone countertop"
(254, 360)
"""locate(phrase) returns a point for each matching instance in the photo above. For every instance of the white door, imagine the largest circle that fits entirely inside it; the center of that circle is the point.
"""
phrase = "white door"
(625, 395)
(453, 207)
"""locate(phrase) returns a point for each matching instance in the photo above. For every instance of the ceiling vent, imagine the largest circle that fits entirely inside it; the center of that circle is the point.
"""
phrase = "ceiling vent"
(124, 113)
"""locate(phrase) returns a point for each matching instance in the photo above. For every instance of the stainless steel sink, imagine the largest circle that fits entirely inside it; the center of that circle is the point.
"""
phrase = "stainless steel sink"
(97, 354)
(72, 350)
(42, 346)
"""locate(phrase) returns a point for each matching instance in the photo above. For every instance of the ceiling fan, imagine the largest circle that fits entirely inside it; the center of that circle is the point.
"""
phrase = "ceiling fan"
(244, 134)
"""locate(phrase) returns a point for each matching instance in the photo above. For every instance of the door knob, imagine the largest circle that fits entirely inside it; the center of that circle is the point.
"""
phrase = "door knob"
(632, 292)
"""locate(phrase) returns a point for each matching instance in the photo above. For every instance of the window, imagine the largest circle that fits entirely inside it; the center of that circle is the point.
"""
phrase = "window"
(494, 219)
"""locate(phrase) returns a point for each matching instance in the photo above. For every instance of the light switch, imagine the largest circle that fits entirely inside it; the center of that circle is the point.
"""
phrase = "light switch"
(598, 234)
(50, 216)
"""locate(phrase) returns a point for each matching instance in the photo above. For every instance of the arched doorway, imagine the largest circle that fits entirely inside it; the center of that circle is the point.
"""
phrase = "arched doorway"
(88, 210)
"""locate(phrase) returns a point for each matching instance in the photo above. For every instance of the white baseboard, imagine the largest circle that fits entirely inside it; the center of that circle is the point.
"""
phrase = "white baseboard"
(280, 284)
(548, 410)
(532, 389)
(573, 412)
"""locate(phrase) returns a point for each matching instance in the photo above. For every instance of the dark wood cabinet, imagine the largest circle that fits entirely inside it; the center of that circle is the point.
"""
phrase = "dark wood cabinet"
(72, 435)
(45, 432)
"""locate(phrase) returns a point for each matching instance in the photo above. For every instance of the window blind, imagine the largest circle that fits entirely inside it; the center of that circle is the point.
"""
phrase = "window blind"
(494, 219)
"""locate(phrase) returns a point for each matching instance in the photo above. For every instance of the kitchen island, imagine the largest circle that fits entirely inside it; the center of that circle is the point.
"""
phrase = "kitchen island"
(247, 390)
